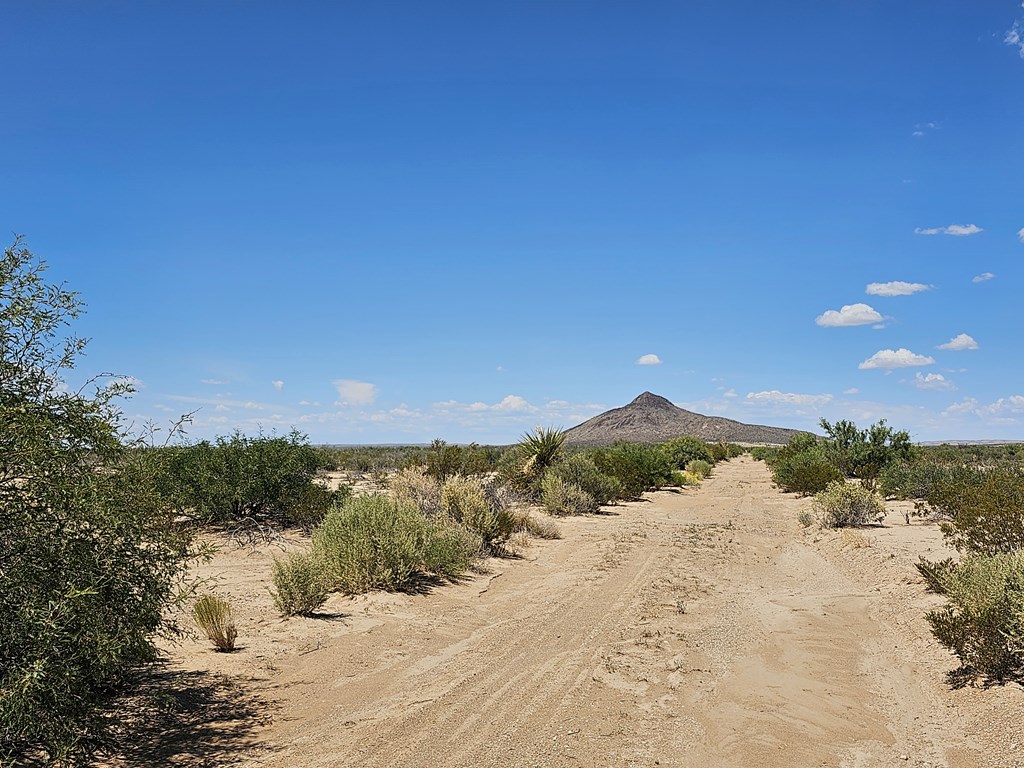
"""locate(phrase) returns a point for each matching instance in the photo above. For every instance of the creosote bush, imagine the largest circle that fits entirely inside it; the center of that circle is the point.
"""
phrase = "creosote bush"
(213, 615)
(300, 584)
(375, 542)
(802, 467)
(580, 470)
(699, 468)
(483, 510)
(983, 623)
(844, 504)
(560, 497)
(638, 467)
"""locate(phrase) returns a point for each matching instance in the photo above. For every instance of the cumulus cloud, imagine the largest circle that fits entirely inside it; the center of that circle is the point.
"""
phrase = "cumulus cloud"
(934, 381)
(1005, 410)
(849, 315)
(983, 276)
(514, 404)
(895, 358)
(648, 360)
(851, 391)
(788, 398)
(278, 384)
(957, 230)
(352, 392)
(959, 343)
(896, 288)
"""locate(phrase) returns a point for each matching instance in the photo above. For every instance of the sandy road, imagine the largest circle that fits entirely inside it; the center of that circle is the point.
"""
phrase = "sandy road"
(701, 628)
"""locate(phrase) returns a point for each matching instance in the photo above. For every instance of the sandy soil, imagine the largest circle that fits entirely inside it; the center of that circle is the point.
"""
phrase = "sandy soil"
(695, 628)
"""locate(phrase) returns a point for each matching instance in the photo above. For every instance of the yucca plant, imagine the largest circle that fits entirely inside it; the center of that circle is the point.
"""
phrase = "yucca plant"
(213, 616)
(540, 448)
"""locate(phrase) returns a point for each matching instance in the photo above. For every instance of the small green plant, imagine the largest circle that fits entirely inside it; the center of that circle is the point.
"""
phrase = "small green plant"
(563, 498)
(300, 585)
(213, 616)
(805, 518)
(581, 471)
(843, 504)
(699, 468)
(983, 623)
(935, 573)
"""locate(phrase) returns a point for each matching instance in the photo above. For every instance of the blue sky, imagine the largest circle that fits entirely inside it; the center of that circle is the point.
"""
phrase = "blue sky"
(394, 221)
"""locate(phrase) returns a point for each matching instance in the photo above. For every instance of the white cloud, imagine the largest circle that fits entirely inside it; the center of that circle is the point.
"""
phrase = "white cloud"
(932, 381)
(896, 288)
(959, 343)
(917, 133)
(851, 391)
(1005, 410)
(849, 315)
(788, 398)
(730, 393)
(308, 403)
(649, 360)
(1020, 234)
(895, 358)
(215, 382)
(957, 230)
(278, 384)
(352, 392)
(967, 405)
(1015, 37)
(983, 276)
(1012, 405)
(514, 404)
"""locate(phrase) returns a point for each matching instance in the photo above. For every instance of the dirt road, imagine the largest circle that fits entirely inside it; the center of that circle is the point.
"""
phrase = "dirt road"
(697, 628)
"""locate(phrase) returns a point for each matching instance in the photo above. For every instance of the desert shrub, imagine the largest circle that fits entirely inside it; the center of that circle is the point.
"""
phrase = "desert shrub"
(699, 468)
(444, 460)
(560, 497)
(413, 485)
(482, 510)
(374, 542)
(522, 466)
(765, 453)
(917, 477)
(300, 584)
(683, 450)
(844, 504)
(237, 478)
(805, 518)
(581, 471)
(983, 622)
(805, 472)
(719, 452)
(638, 467)
(213, 615)
(864, 453)
(89, 560)
(985, 508)
(683, 479)
(935, 573)
(538, 526)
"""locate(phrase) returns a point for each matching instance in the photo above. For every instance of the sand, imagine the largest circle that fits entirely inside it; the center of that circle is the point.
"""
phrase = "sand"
(704, 627)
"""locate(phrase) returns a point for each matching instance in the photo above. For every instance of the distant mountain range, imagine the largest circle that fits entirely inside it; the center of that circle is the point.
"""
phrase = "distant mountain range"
(651, 418)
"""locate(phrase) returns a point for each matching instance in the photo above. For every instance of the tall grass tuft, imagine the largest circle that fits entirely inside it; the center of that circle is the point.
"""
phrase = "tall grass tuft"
(213, 615)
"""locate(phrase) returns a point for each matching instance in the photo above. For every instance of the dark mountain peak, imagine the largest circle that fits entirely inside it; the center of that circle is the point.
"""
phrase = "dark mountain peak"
(652, 418)
(651, 400)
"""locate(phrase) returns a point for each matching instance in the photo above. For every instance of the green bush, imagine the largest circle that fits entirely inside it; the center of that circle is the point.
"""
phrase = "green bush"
(765, 453)
(805, 472)
(523, 465)
(258, 478)
(935, 573)
(864, 453)
(89, 559)
(918, 477)
(480, 509)
(984, 507)
(300, 584)
(561, 497)
(699, 468)
(638, 467)
(683, 450)
(413, 485)
(374, 542)
(581, 471)
(983, 623)
(213, 615)
(843, 504)
(444, 460)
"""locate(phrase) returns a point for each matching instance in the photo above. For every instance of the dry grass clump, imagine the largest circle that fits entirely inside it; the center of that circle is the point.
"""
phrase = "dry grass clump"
(213, 616)
(560, 497)
(413, 485)
(699, 467)
(300, 585)
(480, 508)
(537, 526)
(843, 504)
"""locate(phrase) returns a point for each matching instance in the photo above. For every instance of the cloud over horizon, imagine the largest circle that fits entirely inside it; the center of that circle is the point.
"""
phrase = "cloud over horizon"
(352, 392)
